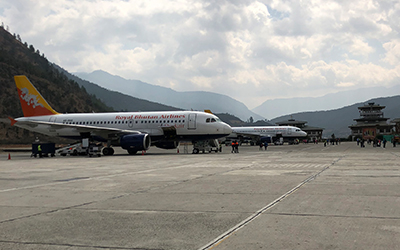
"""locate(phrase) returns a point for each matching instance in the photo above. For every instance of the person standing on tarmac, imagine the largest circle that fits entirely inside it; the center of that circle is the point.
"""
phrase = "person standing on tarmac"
(236, 147)
(233, 146)
(266, 145)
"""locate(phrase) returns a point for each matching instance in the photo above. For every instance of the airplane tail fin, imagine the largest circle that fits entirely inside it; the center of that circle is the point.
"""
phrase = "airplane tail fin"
(32, 102)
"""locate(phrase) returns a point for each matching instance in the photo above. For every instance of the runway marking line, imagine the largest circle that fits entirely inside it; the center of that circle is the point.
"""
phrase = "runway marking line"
(252, 217)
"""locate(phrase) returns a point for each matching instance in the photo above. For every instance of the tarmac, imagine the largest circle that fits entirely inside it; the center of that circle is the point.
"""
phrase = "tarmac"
(303, 196)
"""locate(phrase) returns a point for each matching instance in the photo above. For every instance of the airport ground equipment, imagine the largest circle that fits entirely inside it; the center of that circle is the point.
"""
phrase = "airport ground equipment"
(81, 148)
(206, 146)
(94, 150)
(73, 149)
(48, 148)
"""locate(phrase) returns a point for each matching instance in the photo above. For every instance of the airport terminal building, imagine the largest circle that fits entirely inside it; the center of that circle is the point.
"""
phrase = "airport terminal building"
(371, 122)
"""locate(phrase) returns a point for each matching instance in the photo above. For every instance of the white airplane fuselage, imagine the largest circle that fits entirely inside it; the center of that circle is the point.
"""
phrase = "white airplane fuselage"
(287, 132)
(188, 125)
(132, 131)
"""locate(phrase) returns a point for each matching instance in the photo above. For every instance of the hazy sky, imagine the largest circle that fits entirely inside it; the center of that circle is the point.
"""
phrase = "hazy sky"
(249, 50)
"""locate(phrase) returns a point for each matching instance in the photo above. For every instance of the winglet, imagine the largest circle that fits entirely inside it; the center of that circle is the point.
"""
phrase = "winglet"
(13, 121)
(32, 102)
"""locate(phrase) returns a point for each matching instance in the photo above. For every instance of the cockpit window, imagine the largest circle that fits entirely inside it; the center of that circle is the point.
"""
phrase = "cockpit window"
(213, 120)
(208, 120)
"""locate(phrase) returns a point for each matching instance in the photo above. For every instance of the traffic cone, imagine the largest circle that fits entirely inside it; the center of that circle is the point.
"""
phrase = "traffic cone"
(9, 156)
(142, 152)
(177, 151)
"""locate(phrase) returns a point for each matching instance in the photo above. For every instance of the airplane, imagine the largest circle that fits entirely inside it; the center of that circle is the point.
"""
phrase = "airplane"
(133, 131)
(267, 133)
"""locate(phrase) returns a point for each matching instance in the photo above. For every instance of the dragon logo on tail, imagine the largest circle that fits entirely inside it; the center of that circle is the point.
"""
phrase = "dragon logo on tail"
(30, 99)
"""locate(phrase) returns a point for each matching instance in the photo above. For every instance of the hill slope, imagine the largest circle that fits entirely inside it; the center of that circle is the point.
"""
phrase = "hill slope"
(61, 93)
(196, 100)
(326, 102)
(337, 121)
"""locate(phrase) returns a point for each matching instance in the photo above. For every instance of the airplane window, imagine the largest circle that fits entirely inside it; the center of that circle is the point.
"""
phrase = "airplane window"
(213, 120)
(208, 120)
(176, 121)
(136, 121)
(141, 121)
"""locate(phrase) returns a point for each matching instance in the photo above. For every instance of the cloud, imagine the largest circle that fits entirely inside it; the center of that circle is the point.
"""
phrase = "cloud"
(251, 50)
(392, 52)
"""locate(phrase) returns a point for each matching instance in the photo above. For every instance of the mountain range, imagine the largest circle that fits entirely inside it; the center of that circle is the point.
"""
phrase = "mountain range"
(195, 100)
(326, 102)
(336, 121)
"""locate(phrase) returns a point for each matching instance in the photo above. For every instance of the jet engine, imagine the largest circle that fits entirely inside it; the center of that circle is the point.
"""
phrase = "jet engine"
(166, 144)
(135, 142)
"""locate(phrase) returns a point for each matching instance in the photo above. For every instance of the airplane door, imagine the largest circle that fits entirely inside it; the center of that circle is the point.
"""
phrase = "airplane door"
(52, 119)
(192, 121)
(289, 131)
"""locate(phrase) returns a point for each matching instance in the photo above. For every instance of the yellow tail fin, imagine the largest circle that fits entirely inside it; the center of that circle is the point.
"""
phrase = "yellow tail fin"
(32, 102)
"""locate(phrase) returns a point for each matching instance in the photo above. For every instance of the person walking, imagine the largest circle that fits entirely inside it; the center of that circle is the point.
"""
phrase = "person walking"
(265, 145)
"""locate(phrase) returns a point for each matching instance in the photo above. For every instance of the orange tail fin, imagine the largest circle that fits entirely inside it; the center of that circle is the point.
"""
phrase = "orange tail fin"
(32, 102)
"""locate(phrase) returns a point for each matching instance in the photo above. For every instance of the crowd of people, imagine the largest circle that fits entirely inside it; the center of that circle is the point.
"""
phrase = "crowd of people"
(375, 142)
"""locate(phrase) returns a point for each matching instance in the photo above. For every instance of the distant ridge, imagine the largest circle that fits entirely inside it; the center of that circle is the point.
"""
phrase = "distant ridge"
(196, 100)
(326, 102)
(337, 121)
(119, 101)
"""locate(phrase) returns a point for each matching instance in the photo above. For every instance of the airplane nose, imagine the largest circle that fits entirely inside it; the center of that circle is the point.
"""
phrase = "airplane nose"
(227, 129)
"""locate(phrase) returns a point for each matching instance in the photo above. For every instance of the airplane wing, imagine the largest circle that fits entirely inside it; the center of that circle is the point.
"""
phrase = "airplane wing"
(95, 130)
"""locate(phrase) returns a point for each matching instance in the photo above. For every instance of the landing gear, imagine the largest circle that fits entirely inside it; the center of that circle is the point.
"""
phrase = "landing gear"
(108, 151)
(132, 151)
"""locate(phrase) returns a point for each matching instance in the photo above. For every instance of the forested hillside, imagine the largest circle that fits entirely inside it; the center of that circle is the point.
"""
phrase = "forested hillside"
(64, 95)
